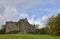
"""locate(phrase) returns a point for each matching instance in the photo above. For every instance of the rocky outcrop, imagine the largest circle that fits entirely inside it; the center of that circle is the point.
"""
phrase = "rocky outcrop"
(22, 26)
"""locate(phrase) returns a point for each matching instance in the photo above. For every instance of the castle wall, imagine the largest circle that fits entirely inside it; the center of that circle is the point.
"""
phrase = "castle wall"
(22, 26)
(10, 26)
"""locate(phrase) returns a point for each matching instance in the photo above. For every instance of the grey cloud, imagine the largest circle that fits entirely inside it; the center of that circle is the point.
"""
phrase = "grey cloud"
(8, 7)
(2, 9)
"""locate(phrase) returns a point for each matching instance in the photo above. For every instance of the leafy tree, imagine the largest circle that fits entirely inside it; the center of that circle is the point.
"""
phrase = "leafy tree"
(2, 30)
(54, 25)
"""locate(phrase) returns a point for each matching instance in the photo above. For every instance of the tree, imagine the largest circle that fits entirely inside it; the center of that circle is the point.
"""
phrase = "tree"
(53, 24)
(2, 30)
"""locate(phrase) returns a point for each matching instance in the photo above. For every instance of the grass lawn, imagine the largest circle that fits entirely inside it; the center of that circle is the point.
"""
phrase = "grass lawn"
(27, 36)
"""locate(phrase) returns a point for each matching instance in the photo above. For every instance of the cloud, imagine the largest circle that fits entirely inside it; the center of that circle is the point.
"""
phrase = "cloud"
(39, 21)
(26, 4)
(9, 11)
(51, 10)
(11, 14)
(2, 8)
(23, 15)
(7, 14)
(44, 19)
(31, 20)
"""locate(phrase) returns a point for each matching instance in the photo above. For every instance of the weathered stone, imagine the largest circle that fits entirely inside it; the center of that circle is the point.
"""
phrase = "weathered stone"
(22, 26)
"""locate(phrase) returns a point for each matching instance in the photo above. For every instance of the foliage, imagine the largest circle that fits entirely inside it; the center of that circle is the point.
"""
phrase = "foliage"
(2, 31)
(54, 25)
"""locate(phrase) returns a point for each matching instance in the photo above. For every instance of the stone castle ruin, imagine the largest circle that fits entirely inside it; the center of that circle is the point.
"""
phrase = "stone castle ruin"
(22, 26)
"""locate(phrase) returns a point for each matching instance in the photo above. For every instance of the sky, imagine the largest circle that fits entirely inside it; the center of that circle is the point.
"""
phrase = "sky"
(36, 11)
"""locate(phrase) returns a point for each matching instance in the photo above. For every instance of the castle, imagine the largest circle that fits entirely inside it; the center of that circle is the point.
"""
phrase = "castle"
(22, 26)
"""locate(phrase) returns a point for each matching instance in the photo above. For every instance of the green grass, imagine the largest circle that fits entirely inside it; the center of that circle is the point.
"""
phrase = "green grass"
(27, 36)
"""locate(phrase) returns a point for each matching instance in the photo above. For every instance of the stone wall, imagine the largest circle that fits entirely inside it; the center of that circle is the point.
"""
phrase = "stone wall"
(11, 26)
(22, 26)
